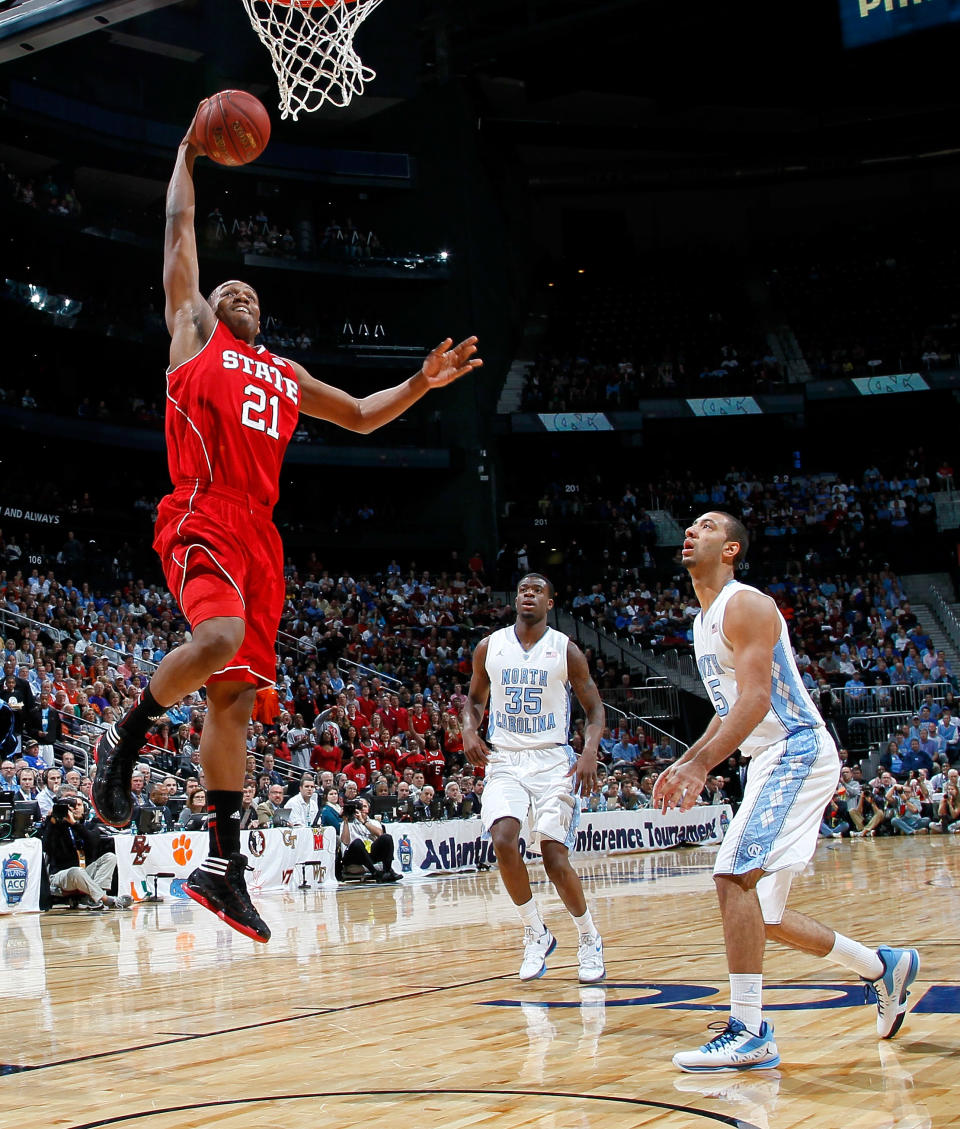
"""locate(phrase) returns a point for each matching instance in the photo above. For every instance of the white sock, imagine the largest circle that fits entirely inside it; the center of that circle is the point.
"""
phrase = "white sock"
(585, 926)
(530, 915)
(858, 958)
(746, 1000)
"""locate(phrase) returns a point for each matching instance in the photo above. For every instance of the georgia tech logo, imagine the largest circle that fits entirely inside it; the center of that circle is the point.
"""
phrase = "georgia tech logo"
(289, 837)
(257, 843)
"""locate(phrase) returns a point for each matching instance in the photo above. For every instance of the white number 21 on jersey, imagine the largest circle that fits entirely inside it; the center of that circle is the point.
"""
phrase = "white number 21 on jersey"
(254, 410)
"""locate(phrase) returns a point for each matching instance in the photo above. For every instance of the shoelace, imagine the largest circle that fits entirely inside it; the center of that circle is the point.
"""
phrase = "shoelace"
(531, 936)
(727, 1034)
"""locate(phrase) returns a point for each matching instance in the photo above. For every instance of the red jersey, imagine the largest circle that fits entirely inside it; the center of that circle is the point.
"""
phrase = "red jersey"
(233, 409)
(419, 723)
(366, 706)
(433, 768)
(326, 758)
(358, 773)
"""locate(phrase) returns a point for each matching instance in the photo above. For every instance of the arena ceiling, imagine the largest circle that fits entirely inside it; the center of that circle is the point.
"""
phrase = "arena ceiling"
(650, 87)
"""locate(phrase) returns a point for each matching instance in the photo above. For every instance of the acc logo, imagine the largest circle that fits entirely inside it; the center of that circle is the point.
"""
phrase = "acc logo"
(140, 848)
(15, 872)
(257, 842)
(176, 888)
(754, 850)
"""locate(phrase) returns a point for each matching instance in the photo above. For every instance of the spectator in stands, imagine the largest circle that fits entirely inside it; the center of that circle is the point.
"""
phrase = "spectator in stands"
(26, 784)
(304, 808)
(157, 802)
(47, 795)
(949, 733)
(8, 780)
(266, 809)
(916, 758)
(833, 825)
(300, 743)
(423, 808)
(713, 792)
(196, 805)
(948, 811)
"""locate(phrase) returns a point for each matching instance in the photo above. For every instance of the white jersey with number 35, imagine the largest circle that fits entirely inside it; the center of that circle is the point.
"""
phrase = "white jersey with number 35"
(529, 696)
(791, 707)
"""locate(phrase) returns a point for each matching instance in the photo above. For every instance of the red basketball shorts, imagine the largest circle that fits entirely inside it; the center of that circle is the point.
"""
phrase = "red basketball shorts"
(222, 556)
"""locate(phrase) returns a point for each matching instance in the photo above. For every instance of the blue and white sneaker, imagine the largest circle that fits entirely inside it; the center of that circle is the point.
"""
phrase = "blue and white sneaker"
(590, 959)
(900, 968)
(735, 1048)
(536, 948)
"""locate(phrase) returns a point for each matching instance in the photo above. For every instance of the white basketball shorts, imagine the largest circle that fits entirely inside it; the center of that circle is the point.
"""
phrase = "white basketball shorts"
(533, 782)
(776, 828)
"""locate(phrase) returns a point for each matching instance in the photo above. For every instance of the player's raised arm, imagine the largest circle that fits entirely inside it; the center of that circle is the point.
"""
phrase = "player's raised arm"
(189, 318)
(584, 771)
(442, 366)
(474, 747)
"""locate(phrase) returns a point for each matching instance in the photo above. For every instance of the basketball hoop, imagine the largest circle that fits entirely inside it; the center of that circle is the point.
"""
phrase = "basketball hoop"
(311, 48)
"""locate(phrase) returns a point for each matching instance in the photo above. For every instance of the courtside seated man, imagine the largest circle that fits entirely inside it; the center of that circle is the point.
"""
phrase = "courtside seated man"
(526, 671)
(762, 708)
(231, 410)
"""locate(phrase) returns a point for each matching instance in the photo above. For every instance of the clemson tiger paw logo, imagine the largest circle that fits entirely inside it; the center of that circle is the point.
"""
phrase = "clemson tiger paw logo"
(182, 852)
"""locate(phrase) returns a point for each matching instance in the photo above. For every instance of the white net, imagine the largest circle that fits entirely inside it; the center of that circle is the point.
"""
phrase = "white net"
(311, 47)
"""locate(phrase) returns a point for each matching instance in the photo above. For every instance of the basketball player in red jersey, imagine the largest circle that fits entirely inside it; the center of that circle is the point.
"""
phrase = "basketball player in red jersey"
(232, 408)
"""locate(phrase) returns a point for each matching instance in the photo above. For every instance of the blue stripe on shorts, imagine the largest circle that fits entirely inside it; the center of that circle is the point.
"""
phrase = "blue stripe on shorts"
(776, 798)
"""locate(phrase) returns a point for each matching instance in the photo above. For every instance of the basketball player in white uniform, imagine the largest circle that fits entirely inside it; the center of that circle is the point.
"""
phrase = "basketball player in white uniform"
(747, 665)
(530, 769)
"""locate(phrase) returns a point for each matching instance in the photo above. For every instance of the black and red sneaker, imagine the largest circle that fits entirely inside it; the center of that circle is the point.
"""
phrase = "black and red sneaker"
(111, 795)
(225, 894)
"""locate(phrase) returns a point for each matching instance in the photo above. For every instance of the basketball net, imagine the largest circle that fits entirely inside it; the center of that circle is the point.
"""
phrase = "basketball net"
(311, 48)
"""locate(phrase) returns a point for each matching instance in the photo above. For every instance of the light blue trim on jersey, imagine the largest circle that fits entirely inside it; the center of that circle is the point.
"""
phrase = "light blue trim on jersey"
(787, 694)
(575, 820)
(776, 798)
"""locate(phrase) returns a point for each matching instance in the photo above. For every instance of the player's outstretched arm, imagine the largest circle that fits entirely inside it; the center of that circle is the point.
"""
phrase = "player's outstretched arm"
(474, 747)
(442, 366)
(188, 316)
(584, 772)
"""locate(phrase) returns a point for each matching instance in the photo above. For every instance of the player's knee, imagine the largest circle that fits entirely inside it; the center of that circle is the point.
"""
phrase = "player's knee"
(218, 640)
(506, 842)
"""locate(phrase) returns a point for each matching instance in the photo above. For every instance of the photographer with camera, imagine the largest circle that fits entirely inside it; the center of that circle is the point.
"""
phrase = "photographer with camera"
(903, 804)
(365, 843)
(67, 841)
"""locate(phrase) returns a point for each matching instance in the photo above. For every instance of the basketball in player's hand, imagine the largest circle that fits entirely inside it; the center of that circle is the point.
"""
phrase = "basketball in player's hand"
(232, 127)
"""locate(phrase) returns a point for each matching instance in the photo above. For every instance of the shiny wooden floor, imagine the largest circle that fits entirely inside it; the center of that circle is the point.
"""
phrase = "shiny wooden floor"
(400, 1006)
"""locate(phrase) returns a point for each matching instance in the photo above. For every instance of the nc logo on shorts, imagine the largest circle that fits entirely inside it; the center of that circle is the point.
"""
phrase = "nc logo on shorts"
(754, 850)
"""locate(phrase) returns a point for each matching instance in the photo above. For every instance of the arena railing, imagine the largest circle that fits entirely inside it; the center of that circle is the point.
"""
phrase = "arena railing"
(656, 735)
(865, 730)
(946, 616)
(21, 622)
(367, 672)
(645, 701)
(887, 699)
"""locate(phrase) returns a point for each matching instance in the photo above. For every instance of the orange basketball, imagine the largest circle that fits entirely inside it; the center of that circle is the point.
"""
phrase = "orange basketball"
(233, 127)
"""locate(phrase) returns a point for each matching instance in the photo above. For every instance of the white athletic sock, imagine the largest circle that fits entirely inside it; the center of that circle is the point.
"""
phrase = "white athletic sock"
(584, 924)
(858, 958)
(530, 915)
(746, 1000)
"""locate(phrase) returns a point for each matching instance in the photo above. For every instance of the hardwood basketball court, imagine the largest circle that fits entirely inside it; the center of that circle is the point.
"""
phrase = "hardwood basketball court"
(400, 1006)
